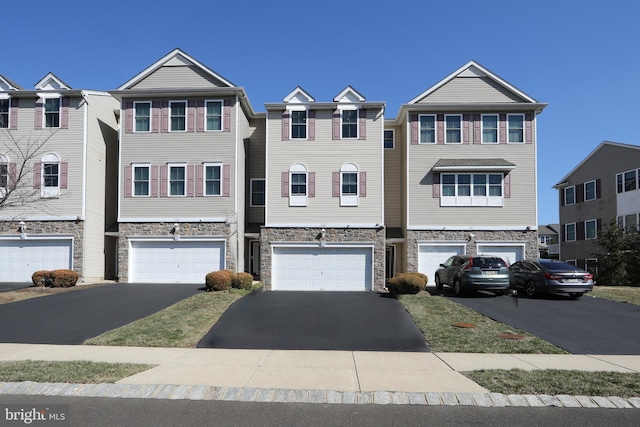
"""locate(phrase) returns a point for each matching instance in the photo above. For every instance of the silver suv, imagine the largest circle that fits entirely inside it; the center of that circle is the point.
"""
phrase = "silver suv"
(478, 273)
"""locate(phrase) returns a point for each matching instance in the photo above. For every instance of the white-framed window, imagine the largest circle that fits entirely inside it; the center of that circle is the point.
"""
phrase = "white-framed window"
(627, 181)
(4, 175)
(590, 191)
(4, 113)
(141, 180)
(572, 262)
(629, 222)
(516, 127)
(427, 128)
(453, 129)
(591, 229)
(52, 112)
(214, 114)
(257, 192)
(299, 124)
(545, 239)
(349, 185)
(177, 181)
(298, 185)
(570, 232)
(50, 185)
(349, 128)
(569, 195)
(591, 265)
(142, 112)
(465, 189)
(389, 138)
(489, 128)
(178, 116)
(212, 179)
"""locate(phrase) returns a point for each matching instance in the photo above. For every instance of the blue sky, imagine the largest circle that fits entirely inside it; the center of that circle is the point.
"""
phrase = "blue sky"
(582, 58)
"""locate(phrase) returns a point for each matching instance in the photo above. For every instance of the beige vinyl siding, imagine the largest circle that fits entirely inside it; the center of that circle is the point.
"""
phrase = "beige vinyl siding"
(256, 165)
(325, 156)
(471, 89)
(425, 210)
(244, 132)
(181, 77)
(393, 181)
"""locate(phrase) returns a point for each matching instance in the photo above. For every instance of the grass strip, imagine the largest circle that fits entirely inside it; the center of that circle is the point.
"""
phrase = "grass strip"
(76, 372)
(435, 316)
(628, 294)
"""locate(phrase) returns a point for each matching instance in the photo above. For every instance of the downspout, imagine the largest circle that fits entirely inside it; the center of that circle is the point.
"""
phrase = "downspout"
(85, 139)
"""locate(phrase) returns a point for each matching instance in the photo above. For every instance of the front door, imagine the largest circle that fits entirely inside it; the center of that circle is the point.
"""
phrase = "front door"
(255, 258)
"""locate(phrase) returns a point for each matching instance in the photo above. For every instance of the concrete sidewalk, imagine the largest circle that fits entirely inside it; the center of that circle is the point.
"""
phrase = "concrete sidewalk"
(313, 376)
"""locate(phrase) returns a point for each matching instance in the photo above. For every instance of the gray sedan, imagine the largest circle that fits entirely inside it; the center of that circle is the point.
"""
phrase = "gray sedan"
(549, 276)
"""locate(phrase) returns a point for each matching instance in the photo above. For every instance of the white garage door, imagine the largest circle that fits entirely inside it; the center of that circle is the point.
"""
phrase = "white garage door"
(321, 269)
(508, 253)
(174, 261)
(431, 256)
(19, 259)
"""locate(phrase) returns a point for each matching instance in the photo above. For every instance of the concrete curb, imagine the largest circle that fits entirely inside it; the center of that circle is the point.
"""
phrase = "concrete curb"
(182, 392)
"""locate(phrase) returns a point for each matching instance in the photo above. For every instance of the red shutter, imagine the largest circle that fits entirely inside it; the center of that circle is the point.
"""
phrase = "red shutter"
(286, 114)
(507, 186)
(128, 117)
(191, 107)
(13, 120)
(312, 125)
(502, 129)
(335, 187)
(363, 184)
(155, 116)
(440, 125)
(154, 180)
(284, 184)
(13, 176)
(528, 128)
(38, 118)
(164, 171)
(465, 128)
(199, 180)
(477, 129)
(200, 112)
(64, 173)
(226, 180)
(436, 185)
(227, 115)
(37, 175)
(165, 118)
(127, 181)
(312, 184)
(190, 183)
(64, 113)
(414, 129)
(362, 131)
(336, 124)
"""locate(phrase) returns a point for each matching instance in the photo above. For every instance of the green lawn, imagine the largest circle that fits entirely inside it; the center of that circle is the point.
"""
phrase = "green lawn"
(76, 372)
(626, 294)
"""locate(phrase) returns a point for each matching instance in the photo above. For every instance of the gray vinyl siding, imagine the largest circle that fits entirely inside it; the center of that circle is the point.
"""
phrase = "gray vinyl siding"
(471, 89)
(244, 132)
(323, 157)
(182, 77)
(256, 167)
(393, 181)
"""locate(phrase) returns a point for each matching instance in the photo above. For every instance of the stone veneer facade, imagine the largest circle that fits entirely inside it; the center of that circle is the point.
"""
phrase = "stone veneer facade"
(45, 229)
(163, 229)
(332, 235)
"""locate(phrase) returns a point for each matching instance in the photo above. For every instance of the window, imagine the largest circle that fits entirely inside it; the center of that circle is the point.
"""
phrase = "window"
(298, 184)
(516, 127)
(177, 180)
(427, 129)
(4, 175)
(214, 115)
(626, 181)
(631, 223)
(545, 239)
(590, 229)
(570, 232)
(142, 116)
(50, 181)
(52, 112)
(569, 195)
(257, 192)
(178, 110)
(591, 265)
(299, 124)
(590, 191)
(349, 123)
(141, 180)
(479, 185)
(471, 190)
(490, 129)
(4, 113)
(212, 180)
(389, 138)
(349, 185)
(453, 131)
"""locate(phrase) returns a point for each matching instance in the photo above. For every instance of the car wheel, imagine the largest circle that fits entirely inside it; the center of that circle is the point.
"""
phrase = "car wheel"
(530, 288)
(575, 295)
(439, 284)
(456, 287)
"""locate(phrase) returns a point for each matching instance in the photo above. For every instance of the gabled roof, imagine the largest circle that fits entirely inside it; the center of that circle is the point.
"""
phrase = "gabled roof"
(349, 95)
(6, 84)
(548, 229)
(563, 181)
(176, 57)
(51, 82)
(473, 69)
(298, 96)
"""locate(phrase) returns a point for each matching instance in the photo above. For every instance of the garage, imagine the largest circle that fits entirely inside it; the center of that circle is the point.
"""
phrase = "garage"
(20, 258)
(508, 252)
(430, 256)
(328, 268)
(171, 261)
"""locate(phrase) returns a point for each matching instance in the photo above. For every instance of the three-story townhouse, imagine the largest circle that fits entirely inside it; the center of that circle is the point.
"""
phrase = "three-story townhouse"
(56, 147)
(324, 215)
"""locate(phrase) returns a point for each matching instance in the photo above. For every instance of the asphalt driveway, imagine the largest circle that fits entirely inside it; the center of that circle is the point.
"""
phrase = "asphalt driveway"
(581, 326)
(74, 316)
(357, 321)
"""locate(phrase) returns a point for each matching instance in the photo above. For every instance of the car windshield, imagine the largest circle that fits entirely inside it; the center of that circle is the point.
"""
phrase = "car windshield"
(488, 262)
(559, 266)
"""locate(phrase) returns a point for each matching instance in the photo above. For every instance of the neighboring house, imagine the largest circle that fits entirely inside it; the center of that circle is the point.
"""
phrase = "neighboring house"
(465, 172)
(185, 133)
(549, 241)
(324, 219)
(56, 145)
(602, 187)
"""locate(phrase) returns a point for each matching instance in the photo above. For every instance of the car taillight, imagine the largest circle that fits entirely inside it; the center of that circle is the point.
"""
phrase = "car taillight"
(550, 276)
(587, 277)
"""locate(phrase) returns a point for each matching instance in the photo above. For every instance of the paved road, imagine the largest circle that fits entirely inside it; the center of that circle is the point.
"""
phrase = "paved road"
(365, 321)
(582, 326)
(72, 317)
